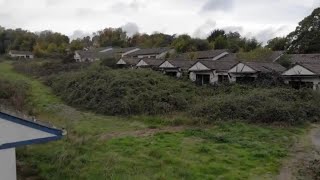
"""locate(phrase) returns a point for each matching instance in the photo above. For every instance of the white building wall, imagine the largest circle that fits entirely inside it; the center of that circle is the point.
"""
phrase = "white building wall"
(298, 70)
(8, 164)
(213, 76)
(77, 57)
(314, 80)
(141, 63)
(242, 68)
(166, 64)
(21, 56)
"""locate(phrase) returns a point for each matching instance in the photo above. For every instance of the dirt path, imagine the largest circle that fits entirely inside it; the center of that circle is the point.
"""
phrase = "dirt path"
(315, 137)
(305, 149)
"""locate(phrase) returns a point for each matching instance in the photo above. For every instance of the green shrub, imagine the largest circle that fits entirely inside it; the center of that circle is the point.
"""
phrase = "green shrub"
(123, 92)
(261, 105)
(13, 94)
(47, 68)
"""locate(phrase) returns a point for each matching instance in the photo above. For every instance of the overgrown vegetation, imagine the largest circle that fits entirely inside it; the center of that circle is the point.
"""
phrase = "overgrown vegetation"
(48, 67)
(144, 92)
(123, 92)
(259, 54)
(226, 151)
(276, 105)
(13, 94)
(102, 147)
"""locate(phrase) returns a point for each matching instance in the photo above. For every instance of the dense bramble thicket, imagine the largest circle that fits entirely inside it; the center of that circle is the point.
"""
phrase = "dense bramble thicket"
(123, 92)
(13, 94)
(261, 105)
(132, 92)
(47, 68)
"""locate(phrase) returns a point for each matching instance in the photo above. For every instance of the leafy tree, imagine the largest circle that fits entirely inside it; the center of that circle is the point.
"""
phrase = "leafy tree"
(151, 41)
(49, 43)
(17, 39)
(277, 44)
(201, 44)
(111, 37)
(183, 43)
(259, 54)
(306, 37)
(251, 44)
(215, 34)
(77, 44)
(221, 43)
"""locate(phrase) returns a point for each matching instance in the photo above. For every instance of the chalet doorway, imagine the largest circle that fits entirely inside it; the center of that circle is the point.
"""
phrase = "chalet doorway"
(245, 80)
(301, 84)
(202, 79)
(172, 74)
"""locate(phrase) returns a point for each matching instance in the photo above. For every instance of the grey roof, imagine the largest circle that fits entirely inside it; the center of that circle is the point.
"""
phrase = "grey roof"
(305, 58)
(95, 53)
(153, 62)
(218, 65)
(99, 49)
(21, 52)
(314, 67)
(230, 57)
(265, 67)
(210, 54)
(123, 50)
(131, 61)
(274, 56)
(87, 54)
(183, 64)
(150, 51)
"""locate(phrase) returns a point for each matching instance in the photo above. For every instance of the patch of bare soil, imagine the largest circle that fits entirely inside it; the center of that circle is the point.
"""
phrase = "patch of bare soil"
(303, 152)
(142, 133)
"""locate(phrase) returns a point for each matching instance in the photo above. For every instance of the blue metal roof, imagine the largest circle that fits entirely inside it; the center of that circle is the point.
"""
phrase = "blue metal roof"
(57, 134)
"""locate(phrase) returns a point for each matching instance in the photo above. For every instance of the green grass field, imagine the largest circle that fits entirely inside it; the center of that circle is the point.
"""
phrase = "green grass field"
(102, 147)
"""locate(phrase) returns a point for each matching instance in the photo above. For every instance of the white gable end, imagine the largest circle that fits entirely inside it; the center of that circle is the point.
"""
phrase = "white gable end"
(166, 64)
(241, 68)
(12, 132)
(121, 62)
(297, 70)
(142, 63)
(198, 67)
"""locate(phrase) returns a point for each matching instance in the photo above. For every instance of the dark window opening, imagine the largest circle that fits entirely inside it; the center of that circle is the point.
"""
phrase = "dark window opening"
(172, 74)
(202, 79)
(300, 84)
(223, 78)
(245, 79)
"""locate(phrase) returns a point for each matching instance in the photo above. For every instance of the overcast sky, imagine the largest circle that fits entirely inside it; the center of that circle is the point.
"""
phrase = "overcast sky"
(263, 19)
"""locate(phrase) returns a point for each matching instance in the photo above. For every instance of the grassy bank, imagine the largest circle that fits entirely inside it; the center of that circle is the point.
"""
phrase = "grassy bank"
(108, 147)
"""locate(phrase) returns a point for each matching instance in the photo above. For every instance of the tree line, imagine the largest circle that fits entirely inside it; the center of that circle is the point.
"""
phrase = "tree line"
(48, 43)
(305, 39)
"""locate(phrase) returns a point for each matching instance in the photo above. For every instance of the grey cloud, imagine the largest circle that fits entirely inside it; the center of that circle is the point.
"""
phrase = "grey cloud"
(269, 33)
(217, 5)
(53, 2)
(120, 7)
(9, 21)
(238, 29)
(204, 30)
(84, 12)
(130, 28)
(79, 34)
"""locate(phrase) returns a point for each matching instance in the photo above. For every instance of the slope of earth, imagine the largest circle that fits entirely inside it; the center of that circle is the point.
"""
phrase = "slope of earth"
(103, 147)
